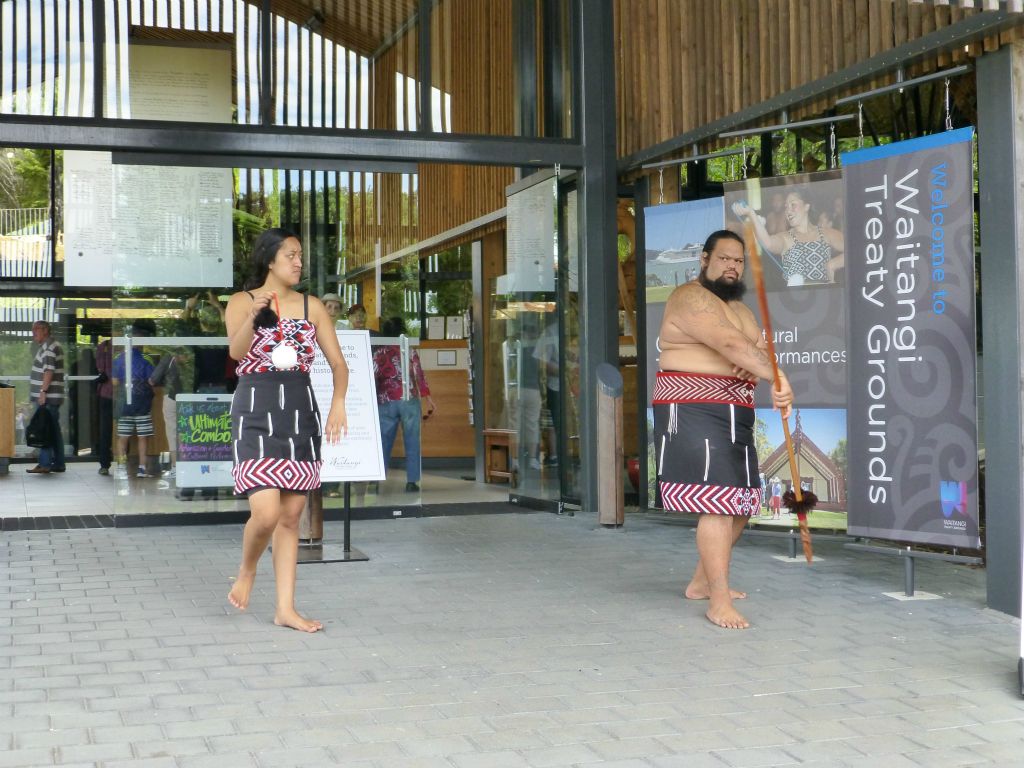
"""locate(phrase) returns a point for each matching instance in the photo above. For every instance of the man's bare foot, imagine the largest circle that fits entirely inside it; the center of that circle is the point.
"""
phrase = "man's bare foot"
(240, 591)
(293, 620)
(726, 617)
(695, 591)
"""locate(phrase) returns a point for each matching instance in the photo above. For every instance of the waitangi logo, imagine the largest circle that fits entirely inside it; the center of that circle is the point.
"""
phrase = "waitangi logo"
(953, 498)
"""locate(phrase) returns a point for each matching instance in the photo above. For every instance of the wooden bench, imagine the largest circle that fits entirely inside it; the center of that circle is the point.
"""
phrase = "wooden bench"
(499, 448)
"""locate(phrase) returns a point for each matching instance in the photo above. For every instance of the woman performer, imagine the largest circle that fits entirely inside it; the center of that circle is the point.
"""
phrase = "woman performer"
(810, 254)
(273, 331)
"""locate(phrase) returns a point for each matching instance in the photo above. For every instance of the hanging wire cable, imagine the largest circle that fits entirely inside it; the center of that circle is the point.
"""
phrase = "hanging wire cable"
(949, 116)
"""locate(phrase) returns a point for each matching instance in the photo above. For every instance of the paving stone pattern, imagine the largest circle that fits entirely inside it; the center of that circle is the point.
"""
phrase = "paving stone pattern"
(490, 641)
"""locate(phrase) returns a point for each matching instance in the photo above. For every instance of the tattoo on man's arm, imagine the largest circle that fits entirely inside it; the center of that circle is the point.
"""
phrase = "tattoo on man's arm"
(759, 354)
(703, 304)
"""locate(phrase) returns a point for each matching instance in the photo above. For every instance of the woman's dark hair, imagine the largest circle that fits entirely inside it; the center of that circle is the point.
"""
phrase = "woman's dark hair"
(264, 251)
(393, 326)
(800, 192)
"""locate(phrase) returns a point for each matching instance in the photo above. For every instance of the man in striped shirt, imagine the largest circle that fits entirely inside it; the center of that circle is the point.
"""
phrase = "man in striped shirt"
(46, 387)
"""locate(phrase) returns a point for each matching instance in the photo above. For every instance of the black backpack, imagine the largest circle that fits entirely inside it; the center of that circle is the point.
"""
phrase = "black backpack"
(39, 432)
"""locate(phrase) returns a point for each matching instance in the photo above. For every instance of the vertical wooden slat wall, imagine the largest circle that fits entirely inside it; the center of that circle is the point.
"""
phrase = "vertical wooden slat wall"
(721, 57)
(478, 39)
(387, 227)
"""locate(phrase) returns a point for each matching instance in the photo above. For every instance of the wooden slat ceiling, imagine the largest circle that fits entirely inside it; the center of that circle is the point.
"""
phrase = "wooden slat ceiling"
(364, 26)
(671, 81)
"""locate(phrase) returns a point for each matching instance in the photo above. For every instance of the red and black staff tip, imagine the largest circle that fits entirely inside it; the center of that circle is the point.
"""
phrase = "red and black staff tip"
(799, 507)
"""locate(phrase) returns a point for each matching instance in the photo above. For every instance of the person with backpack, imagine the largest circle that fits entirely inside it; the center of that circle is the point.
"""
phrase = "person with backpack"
(46, 387)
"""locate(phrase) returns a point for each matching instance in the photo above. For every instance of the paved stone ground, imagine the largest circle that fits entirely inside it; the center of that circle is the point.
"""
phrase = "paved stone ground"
(493, 641)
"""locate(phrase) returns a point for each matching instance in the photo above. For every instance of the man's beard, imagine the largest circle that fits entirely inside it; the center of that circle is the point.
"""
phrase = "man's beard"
(723, 289)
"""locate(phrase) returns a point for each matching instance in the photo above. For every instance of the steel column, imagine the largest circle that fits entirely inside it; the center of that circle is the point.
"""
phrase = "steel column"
(641, 199)
(599, 326)
(1000, 78)
(524, 35)
(554, 48)
(99, 70)
(266, 62)
(425, 78)
(477, 361)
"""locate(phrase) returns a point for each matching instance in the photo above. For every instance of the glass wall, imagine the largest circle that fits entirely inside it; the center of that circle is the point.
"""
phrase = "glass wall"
(47, 58)
(353, 65)
(525, 343)
(147, 257)
(569, 368)
(172, 275)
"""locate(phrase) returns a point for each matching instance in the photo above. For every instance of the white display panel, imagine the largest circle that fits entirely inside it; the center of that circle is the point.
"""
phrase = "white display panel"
(530, 240)
(359, 455)
(140, 225)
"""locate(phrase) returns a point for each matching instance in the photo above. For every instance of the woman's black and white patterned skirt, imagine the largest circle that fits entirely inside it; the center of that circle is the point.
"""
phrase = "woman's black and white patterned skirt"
(276, 429)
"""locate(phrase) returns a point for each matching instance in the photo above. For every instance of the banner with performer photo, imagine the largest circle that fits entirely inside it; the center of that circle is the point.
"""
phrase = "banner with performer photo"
(912, 411)
(800, 219)
(799, 222)
(674, 234)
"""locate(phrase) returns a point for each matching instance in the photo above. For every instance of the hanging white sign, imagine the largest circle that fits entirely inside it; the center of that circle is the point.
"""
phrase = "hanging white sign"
(358, 456)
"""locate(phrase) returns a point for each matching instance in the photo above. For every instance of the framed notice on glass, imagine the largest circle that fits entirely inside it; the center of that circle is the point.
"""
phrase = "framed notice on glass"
(358, 456)
(204, 441)
(454, 327)
(435, 327)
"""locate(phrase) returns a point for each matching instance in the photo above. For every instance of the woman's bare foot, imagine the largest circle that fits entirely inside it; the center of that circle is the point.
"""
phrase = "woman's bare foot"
(695, 591)
(240, 591)
(726, 616)
(293, 620)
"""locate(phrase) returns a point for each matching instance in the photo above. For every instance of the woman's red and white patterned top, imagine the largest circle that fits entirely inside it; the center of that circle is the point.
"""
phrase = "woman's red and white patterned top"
(301, 334)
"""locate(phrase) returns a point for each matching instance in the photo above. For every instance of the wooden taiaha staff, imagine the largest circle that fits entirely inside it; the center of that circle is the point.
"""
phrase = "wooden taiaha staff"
(797, 500)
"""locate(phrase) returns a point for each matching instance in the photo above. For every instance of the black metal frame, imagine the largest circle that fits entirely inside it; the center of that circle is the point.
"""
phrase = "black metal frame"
(310, 147)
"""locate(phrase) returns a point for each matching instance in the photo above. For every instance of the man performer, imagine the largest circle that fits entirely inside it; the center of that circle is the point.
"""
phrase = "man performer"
(712, 352)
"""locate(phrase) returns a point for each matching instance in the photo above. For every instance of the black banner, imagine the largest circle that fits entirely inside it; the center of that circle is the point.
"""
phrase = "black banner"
(912, 412)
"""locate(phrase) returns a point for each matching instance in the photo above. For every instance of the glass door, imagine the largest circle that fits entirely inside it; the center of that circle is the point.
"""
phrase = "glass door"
(568, 424)
(525, 317)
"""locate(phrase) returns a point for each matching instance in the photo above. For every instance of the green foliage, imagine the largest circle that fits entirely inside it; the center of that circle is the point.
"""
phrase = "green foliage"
(24, 178)
(761, 445)
(624, 247)
(838, 456)
(247, 227)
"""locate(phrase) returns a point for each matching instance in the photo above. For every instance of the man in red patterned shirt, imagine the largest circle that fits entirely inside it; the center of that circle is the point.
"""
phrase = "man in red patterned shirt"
(396, 406)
